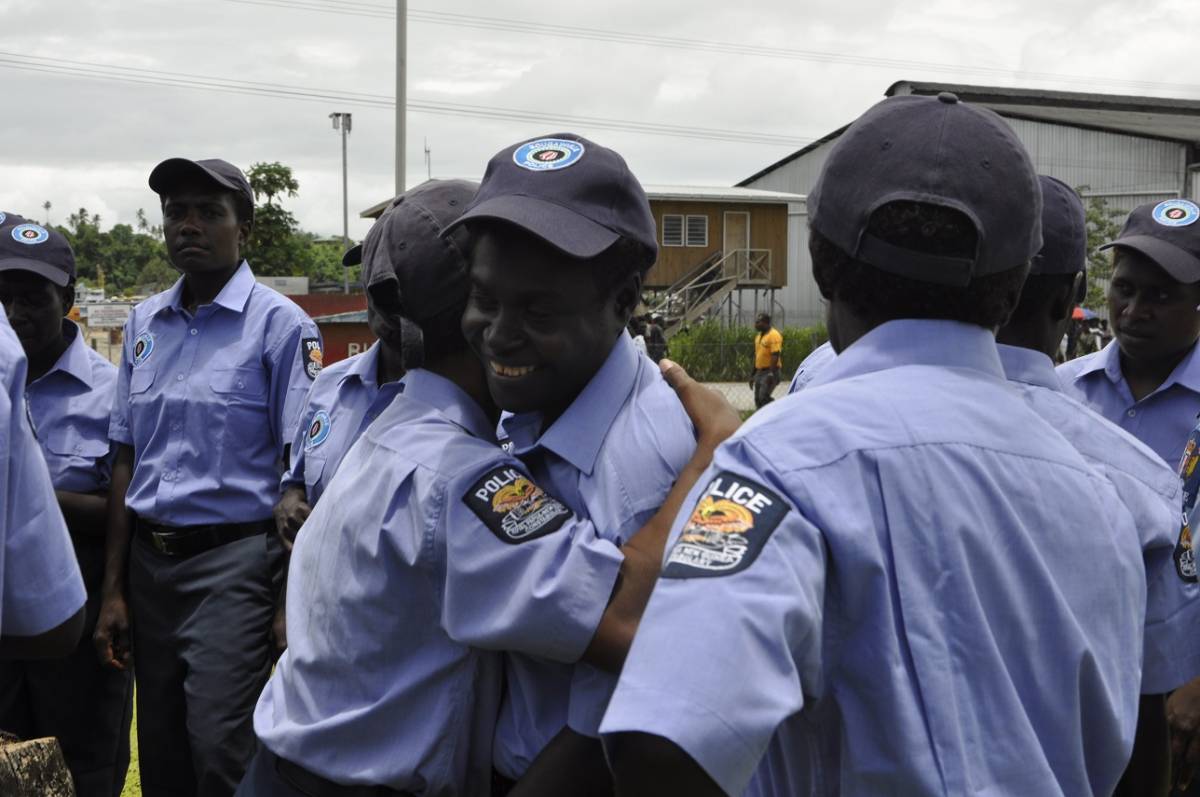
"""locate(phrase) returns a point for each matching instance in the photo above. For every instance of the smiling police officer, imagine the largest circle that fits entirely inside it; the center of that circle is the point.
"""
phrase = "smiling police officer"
(212, 377)
(562, 235)
(879, 600)
(69, 391)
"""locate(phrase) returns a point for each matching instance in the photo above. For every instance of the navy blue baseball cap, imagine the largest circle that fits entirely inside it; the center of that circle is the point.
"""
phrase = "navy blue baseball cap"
(28, 246)
(1064, 230)
(409, 251)
(222, 174)
(937, 151)
(1167, 233)
(572, 193)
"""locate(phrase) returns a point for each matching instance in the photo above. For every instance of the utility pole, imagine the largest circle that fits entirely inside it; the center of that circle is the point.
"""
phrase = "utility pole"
(342, 121)
(401, 88)
(428, 160)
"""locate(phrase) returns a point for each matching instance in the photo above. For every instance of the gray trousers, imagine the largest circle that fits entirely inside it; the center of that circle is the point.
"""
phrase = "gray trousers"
(202, 654)
(87, 706)
(765, 381)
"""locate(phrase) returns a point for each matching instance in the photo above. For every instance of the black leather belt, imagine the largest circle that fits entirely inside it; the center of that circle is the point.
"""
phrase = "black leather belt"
(184, 541)
(314, 785)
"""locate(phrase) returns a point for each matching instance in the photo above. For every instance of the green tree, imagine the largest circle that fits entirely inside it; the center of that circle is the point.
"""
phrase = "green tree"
(123, 259)
(1103, 225)
(271, 179)
(277, 247)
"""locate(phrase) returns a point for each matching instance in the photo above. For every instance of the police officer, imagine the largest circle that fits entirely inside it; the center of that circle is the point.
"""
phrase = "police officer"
(562, 236)
(42, 596)
(1147, 487)
(213, 374)
(431, 545)
(878, 600)
(1147, 381)
(69, 392)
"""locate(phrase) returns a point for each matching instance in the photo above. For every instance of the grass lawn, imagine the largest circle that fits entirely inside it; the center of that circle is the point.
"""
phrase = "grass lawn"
(133, 780)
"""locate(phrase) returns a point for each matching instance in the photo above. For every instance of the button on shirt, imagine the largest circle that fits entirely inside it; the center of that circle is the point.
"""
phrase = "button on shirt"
(1161, 420)
(395, 585)
(612, 457)
(1151, 492)
(40, 584)
(344, 399)
(888, 578)
(812, 365)
(69, 405)
(209, 401)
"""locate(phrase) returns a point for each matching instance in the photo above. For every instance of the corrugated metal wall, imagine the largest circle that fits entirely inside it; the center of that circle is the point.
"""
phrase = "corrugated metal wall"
(1126, 170)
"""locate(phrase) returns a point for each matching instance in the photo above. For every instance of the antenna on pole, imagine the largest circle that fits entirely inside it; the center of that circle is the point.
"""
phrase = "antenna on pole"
(428, 160)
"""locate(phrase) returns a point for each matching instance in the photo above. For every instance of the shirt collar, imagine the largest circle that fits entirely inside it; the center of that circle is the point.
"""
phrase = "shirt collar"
(1186, 374)
(74, 361)
(365, 368)
(578, 433)
(1028, 366)
(948, 344)
(450, 400)
(233, 296)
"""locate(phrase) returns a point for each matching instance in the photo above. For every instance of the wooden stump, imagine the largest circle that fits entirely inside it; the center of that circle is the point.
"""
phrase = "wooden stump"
(34, 769)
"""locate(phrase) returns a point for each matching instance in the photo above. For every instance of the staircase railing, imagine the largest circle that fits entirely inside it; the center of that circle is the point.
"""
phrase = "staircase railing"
(704, 287)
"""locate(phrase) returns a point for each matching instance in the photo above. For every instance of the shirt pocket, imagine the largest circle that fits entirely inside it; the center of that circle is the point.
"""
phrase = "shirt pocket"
(240, 395)
(140, 380)
(77, 461)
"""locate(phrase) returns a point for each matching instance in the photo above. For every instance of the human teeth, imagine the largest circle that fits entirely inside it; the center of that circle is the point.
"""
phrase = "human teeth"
(508, 370)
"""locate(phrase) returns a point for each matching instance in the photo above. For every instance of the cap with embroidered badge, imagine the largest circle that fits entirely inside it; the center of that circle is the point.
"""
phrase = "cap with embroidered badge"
(223, 174)
(409, 247)
(570, 192)
(1167, 233)
(1064, 230)
(938, 151)
(28, 246)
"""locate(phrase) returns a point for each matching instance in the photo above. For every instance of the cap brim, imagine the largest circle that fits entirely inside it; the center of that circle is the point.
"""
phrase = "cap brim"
(1173, 260)
(353, 256)
(173, 171)
(562, 228)
(55, 275)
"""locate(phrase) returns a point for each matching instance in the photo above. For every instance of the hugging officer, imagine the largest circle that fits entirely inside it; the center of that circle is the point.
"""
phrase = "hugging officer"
(212, 377)
(69, 390)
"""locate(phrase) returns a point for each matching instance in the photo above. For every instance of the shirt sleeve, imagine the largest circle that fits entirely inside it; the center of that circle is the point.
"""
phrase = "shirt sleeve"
(294, 475)
(294, 361)
(731, 640)
(774, 343)
(42, 586)
(119, 426)
(522, 573)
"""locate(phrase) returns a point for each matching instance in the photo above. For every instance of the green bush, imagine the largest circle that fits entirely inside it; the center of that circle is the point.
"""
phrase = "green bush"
(712, 352)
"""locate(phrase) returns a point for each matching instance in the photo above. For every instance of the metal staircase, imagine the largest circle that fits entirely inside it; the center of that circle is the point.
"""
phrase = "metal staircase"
(700, 292)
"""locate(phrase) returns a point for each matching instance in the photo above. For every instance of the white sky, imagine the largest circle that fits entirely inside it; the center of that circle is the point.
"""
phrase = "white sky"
(85, 142)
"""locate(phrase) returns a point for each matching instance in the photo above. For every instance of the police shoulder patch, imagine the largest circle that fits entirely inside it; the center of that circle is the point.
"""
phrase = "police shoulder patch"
(1185, 555)
(728, 528)
(311, 357)
(514, 508)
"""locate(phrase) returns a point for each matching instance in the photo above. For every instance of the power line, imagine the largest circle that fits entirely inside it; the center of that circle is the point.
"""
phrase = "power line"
(429, 16)
(153, 77)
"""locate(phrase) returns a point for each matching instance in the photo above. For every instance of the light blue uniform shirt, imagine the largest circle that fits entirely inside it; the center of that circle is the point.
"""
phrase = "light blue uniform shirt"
(345, 398)
(1151, 492)
(807, 371)
(612, 457)
(70, 405)
(430, 545)
(881, 599)
(210, 401)
(40, 584)
(1161, 420)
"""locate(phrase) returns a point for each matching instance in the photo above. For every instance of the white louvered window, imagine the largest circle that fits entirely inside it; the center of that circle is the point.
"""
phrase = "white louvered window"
(672, 230)
(697, 230)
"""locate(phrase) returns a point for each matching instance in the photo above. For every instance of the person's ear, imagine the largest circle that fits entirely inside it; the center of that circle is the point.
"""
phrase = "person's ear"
(244, 230)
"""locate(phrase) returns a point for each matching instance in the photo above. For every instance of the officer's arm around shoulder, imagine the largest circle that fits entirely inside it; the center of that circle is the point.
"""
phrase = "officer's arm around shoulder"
(645, 764)
(56, 643)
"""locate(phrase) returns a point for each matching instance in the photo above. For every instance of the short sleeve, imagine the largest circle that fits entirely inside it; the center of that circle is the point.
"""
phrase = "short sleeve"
(294, 475)
(42, 586)
(119, 426)
(522, 573)
(730, 643)
(774, 342)
(295, 360)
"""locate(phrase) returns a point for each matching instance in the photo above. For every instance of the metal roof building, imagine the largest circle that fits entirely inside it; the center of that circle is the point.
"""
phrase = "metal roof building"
(1126, 150)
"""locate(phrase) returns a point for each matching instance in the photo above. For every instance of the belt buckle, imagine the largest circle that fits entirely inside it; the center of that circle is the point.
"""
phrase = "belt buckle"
(160, 542)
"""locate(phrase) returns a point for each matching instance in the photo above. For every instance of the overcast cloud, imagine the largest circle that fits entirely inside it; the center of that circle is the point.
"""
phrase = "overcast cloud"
(81, 142)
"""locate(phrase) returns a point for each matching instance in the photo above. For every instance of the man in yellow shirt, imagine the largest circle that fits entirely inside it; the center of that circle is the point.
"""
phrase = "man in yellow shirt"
(768, 358)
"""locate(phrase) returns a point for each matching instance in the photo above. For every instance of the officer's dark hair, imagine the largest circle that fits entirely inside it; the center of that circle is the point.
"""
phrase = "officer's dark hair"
(763, 317)
(881, 296)
(1038, 291)
(618, 262)
(442, 333)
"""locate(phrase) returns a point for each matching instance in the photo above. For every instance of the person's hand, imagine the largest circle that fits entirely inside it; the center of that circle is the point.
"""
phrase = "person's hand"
(1183, 717)
(290, 514)
(111, 636)
(713, 416)
(279, 631)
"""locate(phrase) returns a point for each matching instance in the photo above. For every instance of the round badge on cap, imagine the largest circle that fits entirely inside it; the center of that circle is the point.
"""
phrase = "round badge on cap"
(1176, 213)
(318, 430)
(3, 216)
(30, 234)
(548, 154)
